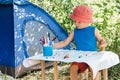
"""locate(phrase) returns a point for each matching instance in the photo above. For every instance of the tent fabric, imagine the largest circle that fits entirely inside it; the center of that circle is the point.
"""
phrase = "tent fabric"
(28, 12)
(18, 20)
(6, 34)
(6, 1)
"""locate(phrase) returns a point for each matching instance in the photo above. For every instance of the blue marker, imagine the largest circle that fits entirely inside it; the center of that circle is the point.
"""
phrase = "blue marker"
(50, 43)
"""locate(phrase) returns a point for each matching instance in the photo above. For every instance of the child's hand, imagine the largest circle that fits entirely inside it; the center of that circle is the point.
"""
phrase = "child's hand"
(102, 44)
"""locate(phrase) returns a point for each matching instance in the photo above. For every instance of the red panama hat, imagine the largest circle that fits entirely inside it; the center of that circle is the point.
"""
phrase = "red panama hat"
(82, 13)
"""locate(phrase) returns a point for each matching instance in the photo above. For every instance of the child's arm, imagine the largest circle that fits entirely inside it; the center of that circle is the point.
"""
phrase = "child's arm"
(101, 40)
(65, 42)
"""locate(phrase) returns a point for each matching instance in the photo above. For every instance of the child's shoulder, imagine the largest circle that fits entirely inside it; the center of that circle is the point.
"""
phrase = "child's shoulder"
(92, 27)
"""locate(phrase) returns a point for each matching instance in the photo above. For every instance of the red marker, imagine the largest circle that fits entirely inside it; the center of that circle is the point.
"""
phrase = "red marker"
(44, 39)
(54, 39)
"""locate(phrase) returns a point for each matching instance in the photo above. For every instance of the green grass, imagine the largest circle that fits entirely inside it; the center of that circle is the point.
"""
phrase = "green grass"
(36, 75)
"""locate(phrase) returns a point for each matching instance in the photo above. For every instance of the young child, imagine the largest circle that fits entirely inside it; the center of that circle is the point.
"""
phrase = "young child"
(84, 36)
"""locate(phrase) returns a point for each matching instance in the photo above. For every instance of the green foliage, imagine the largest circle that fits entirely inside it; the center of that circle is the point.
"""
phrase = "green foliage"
(114, 73)
(106, 19)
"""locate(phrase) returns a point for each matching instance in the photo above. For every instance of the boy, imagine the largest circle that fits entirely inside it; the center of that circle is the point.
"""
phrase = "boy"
(84, 35)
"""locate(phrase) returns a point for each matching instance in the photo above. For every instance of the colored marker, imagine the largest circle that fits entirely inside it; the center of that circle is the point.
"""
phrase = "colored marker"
(54, 39)
(44, 39)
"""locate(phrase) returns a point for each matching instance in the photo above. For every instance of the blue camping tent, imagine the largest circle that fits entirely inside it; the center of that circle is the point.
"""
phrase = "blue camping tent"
(22, 24)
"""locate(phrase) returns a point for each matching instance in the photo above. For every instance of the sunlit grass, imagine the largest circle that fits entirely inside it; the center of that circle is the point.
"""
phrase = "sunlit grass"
(36, 75)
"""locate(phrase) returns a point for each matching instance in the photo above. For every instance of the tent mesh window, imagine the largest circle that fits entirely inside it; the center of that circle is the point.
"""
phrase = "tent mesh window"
(34, 31)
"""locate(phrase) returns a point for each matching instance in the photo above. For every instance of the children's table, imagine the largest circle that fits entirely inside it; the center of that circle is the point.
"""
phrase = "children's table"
(96, 60)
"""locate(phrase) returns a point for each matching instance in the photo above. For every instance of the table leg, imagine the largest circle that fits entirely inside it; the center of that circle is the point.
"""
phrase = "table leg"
(43, 69)
(105, 74)
(55, 70)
